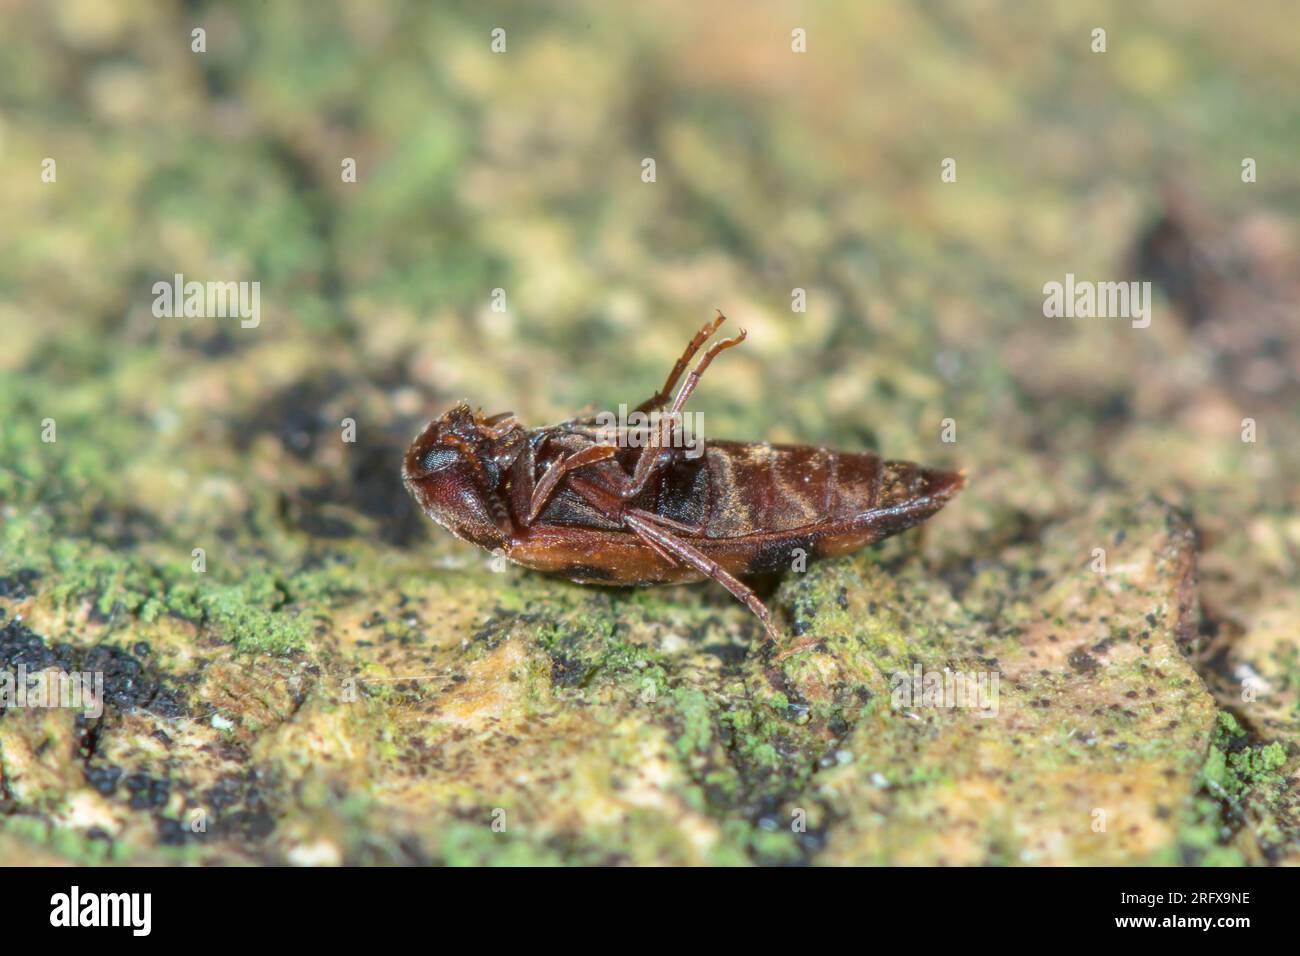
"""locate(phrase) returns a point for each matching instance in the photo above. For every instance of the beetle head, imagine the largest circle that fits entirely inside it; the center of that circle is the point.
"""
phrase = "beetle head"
(454, 469)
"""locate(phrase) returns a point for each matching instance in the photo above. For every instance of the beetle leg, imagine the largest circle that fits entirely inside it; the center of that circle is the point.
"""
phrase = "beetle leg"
(584, 422)
(694, 378)
(522, 485)
(648, 528)
(604, 434)
(499, 427)
(797, 646)
(660, 550)
(650, 459)
(658, 399)
(546, 487)
(694, 530)
(613, 507)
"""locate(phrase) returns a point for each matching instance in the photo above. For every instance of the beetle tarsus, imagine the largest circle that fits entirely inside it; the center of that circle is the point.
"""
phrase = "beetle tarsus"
(660, 398)
(806, 644)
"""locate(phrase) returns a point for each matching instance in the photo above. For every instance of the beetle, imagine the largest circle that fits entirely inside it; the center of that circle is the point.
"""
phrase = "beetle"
(632, 506)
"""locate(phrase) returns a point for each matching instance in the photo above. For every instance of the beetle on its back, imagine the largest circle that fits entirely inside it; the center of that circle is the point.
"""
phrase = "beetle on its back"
(575, 500)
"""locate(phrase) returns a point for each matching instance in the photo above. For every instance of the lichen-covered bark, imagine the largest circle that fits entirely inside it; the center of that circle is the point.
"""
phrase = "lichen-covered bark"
(332, 680)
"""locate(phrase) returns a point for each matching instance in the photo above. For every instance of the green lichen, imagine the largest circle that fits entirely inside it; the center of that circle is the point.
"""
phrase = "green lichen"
(1247, 791)
(1235, 767)
(254, 617)
(696, 722)
(70, 844)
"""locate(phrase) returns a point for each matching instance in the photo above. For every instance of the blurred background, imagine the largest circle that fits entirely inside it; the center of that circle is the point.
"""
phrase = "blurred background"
(521, 170)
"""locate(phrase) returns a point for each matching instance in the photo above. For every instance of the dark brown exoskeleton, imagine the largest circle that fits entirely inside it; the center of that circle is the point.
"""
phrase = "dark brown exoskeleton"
(581, 500)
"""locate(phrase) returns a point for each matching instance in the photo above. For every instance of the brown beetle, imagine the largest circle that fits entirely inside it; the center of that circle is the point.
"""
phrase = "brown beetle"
(581, 500)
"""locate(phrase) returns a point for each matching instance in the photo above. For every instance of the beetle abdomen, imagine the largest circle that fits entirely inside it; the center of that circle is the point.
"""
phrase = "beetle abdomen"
(784, 488)
(779, 487)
